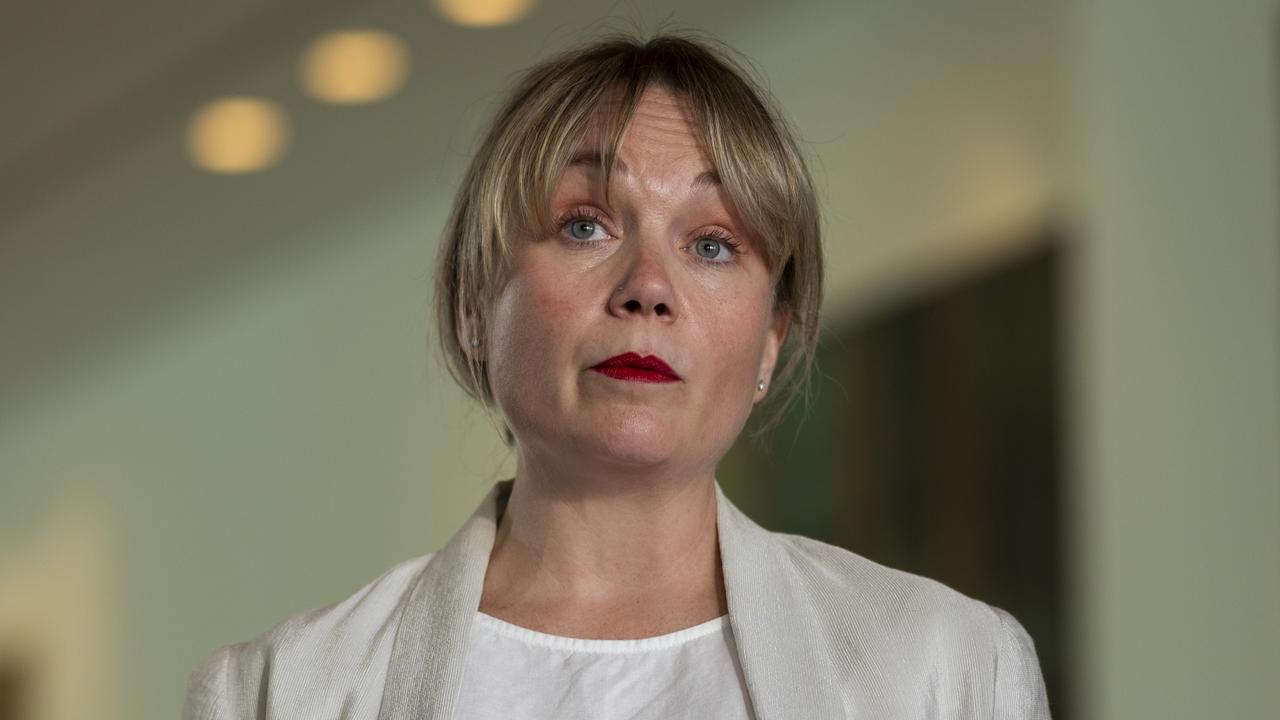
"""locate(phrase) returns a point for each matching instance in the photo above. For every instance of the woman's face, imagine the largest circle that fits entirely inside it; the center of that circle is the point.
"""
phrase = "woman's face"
(663, 269)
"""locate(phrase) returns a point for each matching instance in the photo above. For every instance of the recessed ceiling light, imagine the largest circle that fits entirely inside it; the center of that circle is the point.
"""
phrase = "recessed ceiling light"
(483, 13)
(237, 135)
(354, 66)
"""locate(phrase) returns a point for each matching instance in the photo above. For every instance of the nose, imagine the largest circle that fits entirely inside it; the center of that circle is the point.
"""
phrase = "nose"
(645, 288)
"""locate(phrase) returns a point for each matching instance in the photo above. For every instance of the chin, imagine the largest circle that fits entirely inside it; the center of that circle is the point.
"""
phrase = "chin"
(635, 439)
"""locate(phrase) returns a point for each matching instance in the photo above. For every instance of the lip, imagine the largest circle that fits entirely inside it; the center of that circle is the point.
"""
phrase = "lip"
(633, 366)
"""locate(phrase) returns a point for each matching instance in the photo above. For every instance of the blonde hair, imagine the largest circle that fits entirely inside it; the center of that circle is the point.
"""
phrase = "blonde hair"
(507, 189)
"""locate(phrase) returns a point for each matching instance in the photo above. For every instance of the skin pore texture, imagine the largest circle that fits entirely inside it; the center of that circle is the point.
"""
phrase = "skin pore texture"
(610, 530)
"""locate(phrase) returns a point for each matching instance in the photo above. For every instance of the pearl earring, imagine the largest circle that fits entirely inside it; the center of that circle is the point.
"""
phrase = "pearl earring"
(475, 343)
(760, 385)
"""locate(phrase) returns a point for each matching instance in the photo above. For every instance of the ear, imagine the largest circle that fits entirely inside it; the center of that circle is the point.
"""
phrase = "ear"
(467, 331)
(773, 341)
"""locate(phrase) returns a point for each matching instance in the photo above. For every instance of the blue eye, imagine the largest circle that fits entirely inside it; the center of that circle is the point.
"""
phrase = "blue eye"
(582, 226)
(716, 249)
(582, 229)
(709, 248)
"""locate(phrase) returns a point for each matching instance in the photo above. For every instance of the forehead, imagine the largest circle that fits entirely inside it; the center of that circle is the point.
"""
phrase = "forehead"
(660, 129)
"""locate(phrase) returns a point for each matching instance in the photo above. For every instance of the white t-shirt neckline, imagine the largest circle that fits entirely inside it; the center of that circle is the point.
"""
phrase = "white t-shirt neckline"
(604, 647)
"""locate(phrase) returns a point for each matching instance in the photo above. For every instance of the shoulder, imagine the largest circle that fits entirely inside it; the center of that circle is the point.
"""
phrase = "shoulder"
(836, 579)
(916, 624)
(311, 659)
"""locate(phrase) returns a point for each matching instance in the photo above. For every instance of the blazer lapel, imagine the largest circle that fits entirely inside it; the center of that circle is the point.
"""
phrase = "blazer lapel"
(788, 673)
(429, 652)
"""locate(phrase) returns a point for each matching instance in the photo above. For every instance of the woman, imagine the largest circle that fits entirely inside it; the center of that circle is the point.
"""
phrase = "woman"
(633, 246)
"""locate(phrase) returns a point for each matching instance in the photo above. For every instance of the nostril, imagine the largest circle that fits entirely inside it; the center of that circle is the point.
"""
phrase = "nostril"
(632, 305)
(661, 309)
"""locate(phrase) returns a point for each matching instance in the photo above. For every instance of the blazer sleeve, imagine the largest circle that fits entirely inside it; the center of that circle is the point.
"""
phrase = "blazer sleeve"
(1019, 686)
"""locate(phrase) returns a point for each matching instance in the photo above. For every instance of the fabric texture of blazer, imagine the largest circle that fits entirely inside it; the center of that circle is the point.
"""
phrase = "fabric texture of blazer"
(822, 633)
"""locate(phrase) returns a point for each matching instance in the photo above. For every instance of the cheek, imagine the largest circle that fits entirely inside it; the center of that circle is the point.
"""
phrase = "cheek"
(751, 324)
(532, 322)
(539, 308)
(551, 299)
(736, 343)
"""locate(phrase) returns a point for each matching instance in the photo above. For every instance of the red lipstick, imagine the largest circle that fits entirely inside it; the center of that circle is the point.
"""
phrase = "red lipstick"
(630, 366)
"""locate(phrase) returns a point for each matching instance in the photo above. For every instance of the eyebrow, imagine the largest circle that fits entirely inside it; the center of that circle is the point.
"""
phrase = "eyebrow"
(591, 159)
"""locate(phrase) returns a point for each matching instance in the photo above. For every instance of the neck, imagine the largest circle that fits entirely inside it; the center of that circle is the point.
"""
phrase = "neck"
(606, 556)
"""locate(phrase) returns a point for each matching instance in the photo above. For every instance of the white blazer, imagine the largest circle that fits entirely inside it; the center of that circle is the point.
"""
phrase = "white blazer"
(822, 633)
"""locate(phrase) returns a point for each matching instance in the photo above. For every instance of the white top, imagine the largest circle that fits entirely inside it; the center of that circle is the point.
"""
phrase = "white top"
(820, 634)
(512, 671)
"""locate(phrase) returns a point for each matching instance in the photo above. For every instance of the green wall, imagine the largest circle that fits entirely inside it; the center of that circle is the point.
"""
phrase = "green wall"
(1178, 355)
(228, 381)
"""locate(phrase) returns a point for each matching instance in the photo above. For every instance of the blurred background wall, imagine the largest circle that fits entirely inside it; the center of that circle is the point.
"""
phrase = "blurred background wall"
(220, 404)
(1175, 365)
